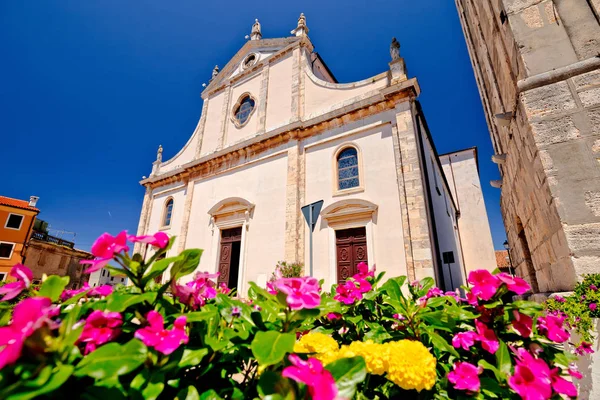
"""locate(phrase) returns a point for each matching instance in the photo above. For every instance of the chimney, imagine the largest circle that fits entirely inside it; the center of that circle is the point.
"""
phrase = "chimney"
(33, 200)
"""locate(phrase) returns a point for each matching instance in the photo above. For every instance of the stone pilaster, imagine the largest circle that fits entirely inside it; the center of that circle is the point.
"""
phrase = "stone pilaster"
(297, 85)
(185, 222)
(417, 236)
(144, 218)
(262, 105)
(224, 118)
(200, 129)
(294, 223)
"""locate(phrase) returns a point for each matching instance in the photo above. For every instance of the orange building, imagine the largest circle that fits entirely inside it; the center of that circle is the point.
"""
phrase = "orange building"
(16, 224)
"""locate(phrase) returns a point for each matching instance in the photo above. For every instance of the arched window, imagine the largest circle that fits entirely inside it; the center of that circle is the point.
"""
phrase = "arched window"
(243, 110)
(347, 169)
(168, 213)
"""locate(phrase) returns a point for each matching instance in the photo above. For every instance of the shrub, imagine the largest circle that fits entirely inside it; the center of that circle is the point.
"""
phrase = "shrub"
(287, 270)
(365, 339)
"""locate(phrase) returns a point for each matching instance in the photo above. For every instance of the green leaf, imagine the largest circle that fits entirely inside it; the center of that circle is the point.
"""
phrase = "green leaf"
(188, 264)
(503, 362)
(486, 365)
(113, 359)
(121, 301)
(189, 393)
(192, 357)
(198, 316)
(210, 395)
(272, 385)
(270, 347)
(348, 372)
(393, 287)
(53, 286)
(440, 343)
(58, 377)
(158, 267)
(148, 385)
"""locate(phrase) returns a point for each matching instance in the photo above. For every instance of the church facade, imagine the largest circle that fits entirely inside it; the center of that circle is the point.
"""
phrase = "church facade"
(278, 132)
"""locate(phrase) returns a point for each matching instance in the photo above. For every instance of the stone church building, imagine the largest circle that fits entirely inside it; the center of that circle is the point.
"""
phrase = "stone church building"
(278, 132)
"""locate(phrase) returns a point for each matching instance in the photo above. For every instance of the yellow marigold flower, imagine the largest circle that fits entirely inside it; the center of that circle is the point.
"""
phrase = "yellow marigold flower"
(373, 354)
(410, 365)
(324, 346)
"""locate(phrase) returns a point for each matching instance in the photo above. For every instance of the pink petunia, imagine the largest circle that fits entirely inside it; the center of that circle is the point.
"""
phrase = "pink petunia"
(101, 291)
(159, 239)
(332, 316)
(488, 338)
(552, 327)
(561, 385)
(223, 288)
(100, 327)
(320, 382)
(104, 248)
(514, 283)
(195, 293)
(464, 340)
(532, 378)
(28, 316)
(363, 271)
(584, 348)
(24, 277)
(485, 285)
(522, 323)
(593, 306)
(574, 372)
(163, 340)
(465, 376)
(301, 292)
(347, 293)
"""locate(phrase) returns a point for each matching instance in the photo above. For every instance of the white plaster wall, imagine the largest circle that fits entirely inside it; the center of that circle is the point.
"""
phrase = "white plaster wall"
(252, 86)
(279, 97)
(177, 192)
(476, 237)
(379, 175)
(261, 183)
(260, 56)
(212, 127)
(445, 220)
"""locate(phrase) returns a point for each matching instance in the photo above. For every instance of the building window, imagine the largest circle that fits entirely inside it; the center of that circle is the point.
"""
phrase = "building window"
(243, 109)
(435, 178)
(249, 61)
(6, 250)
(168, 213)
(347, 169)
(14, 221)
(2, 276)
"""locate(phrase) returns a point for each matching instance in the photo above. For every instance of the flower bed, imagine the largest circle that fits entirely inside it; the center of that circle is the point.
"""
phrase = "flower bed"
(366, 339)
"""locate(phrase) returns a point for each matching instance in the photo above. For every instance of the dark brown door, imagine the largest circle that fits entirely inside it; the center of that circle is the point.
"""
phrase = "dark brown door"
(351, 250)
(229, 256)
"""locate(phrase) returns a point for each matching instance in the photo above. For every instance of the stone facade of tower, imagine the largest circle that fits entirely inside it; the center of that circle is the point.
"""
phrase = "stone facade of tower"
(537, 65)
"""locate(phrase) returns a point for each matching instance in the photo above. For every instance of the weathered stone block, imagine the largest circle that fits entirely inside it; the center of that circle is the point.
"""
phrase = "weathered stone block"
(587, 81)
(583, 238)
(549, 132)
(590, 97)
(548, 100)
(592, 200)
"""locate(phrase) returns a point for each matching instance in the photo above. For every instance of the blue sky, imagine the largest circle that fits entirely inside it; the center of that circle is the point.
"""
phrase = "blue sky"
(89, 89)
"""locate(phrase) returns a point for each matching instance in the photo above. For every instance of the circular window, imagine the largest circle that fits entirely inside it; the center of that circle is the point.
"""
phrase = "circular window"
(243, 110)
(249, 61)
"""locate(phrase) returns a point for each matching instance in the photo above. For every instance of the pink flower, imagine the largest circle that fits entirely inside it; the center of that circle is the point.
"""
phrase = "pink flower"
(271, 287)
(484, 284)
(559, 299)
(464, 376)
(163, 340)
(552, 327)
(522, 323)
(514, 284)
(399, 317)
(464, 340)
(531, 379)
(488, 338)
(24, 277)
(574, 372)
(100, 327)
(159, 239)
(101, 291)
(561, 385)
(195, 293)
(472, 299)
(584, 348)
(223, 288)
(363, 271)
(28, 316)
(332, 316)
(301, 292)
(347, 293)
(320, 382)
(104, 248)
(593, 287)
(593, 306)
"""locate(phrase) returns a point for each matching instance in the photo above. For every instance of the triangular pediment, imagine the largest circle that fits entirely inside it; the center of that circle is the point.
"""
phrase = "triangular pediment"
(262, 49)
(349, 209)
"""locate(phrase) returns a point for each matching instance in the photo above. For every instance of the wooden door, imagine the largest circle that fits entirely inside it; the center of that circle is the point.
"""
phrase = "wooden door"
(228, 237)
(351, 249)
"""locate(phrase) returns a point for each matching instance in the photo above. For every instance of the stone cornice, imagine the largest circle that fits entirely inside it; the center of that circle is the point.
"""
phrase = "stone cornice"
(223, 159)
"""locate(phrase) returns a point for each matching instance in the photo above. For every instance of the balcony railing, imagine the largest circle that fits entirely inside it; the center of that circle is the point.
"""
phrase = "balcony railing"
(44, 237)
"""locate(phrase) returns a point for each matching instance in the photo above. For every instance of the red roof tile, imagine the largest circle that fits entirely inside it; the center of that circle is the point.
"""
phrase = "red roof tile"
(502, 259)
(16, 203)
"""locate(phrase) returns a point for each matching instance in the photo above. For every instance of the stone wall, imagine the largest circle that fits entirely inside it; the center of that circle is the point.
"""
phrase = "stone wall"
(51, 259)
(536, 62)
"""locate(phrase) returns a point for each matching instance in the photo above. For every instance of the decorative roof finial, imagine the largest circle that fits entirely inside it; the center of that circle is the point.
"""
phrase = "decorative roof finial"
(395, 49)
(301, 29)
(215, 72)
(159, 153)
(256, 34)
